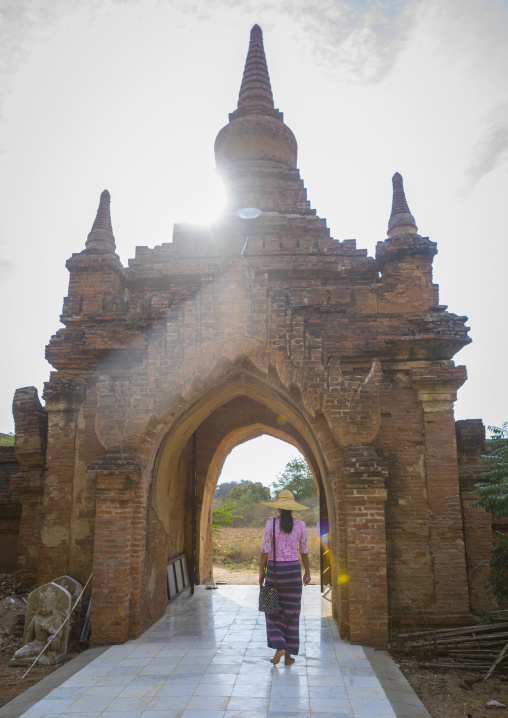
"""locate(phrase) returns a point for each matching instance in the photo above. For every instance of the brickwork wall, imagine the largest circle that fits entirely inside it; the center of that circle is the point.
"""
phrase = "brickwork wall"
(31, 424)
(10, 510)
(401, 442)
(62, 401)
(82, 524)
(303, 314)
(446, 540)
(477, 522)
(111, 585)
(153, 594)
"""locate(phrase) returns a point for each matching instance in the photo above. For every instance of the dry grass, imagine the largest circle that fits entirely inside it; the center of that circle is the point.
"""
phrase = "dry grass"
(239, 548)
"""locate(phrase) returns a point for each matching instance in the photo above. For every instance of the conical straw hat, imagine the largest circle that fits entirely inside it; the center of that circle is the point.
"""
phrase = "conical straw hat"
(285, 500)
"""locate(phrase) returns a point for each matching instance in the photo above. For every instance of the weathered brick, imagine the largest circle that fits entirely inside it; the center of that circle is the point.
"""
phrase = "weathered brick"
(345, 356)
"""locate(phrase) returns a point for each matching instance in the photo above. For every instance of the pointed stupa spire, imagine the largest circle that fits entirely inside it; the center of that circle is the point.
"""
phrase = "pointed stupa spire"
(256, 131)
(256, 89)
(101, 236)
(401, 219)
(103, 217)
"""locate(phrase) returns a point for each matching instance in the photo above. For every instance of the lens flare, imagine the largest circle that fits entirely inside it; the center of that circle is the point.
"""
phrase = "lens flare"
(281, 420)
(343, 578)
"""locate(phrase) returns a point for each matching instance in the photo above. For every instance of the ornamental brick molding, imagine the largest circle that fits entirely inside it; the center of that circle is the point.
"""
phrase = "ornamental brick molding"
(251, 326)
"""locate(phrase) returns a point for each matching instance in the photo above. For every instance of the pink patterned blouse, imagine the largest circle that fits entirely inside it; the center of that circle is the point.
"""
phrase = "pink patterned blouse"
(286, 545)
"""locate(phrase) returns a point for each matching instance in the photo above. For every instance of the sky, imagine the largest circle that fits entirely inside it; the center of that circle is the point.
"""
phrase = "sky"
(129, 95)
(261, 459)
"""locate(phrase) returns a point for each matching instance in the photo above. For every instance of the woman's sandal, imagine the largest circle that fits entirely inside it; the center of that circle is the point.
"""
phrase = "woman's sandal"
(281, 652)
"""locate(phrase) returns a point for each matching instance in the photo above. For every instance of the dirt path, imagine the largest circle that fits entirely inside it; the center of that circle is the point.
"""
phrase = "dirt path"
(245, 576)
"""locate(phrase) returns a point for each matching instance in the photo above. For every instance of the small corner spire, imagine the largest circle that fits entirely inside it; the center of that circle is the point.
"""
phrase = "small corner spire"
(103, 217)
(401, 219)
(255, 88)
(101, 236)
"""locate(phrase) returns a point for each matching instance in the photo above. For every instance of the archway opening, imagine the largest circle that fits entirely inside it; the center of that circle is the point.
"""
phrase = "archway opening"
(254, 471)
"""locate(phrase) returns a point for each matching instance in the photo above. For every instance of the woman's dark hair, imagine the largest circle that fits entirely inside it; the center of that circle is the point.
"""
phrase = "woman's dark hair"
(286, 521)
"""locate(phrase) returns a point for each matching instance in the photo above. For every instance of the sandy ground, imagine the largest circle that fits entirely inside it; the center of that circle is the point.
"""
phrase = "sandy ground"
(456, 693)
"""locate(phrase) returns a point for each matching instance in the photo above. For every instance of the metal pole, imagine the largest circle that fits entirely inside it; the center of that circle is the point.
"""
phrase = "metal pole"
(321, 557)
(194, 502)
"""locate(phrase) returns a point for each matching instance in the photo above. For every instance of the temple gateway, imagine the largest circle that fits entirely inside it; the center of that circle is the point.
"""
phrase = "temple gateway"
(260, 323)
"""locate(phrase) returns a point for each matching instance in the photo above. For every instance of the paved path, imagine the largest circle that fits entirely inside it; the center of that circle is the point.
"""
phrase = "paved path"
(207, 658)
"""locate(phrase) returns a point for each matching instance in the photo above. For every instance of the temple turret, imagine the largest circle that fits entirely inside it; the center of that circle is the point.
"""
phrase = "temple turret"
(97, 278)
(401, 219)
(405, 259)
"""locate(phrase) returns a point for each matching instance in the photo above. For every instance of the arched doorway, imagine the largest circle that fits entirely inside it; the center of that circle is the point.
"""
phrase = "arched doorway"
(180, 451)
(191, 455)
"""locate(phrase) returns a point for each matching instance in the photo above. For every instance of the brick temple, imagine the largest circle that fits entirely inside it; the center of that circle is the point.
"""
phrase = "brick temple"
(260, 323)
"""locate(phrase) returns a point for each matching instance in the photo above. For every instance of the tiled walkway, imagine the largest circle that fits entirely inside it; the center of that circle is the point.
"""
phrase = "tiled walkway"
(207, 658)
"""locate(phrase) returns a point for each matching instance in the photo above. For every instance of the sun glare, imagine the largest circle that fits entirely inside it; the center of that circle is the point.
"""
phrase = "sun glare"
(202, 199)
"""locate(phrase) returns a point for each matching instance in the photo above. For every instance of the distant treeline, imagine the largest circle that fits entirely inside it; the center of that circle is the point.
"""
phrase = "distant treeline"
(240, 500)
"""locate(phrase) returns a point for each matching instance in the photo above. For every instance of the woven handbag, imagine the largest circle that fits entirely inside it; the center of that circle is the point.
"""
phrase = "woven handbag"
(269, 595)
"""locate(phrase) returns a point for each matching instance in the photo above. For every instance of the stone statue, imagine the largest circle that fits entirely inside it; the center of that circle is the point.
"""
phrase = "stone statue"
(74, 587)
(70, 584)
(48, 607)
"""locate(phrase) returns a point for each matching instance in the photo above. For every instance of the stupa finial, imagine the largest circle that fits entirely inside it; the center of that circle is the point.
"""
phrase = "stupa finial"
(401, 219)
(101, 236)
(256, 89)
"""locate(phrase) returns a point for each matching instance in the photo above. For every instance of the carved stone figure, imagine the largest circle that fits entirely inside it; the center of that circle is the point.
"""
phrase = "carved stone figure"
(48, 607)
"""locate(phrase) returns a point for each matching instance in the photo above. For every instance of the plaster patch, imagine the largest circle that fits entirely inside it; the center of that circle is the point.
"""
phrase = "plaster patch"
(419, 467)
(401, 377)
(151, 581)
(52, 536)
(80, 529)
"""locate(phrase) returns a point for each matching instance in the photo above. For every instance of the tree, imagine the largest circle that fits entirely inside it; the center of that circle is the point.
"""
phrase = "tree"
(223, 490)
(225, 514)
(6, 439)
(249, 492)
(245, 496)
(297, 478)
(493, 497)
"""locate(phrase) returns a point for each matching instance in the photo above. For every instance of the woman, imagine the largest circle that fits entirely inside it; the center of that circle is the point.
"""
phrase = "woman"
(283, 629)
